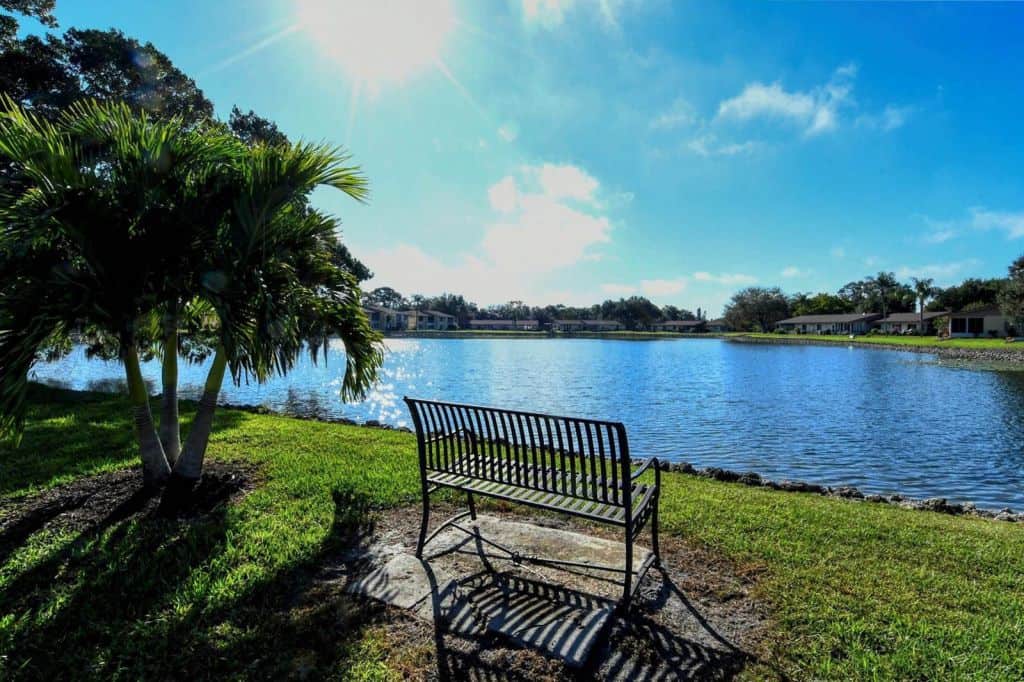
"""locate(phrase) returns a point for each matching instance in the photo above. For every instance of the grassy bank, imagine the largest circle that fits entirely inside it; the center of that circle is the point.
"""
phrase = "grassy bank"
(855, 590)
(930, 342)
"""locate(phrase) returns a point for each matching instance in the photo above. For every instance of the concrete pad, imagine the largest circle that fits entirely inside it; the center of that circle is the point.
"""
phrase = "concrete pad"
(460, 554)
(475, 588)
(404, 581)
(561, 623)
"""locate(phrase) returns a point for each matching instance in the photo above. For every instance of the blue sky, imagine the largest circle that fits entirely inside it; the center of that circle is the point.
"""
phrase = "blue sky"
(571, 151)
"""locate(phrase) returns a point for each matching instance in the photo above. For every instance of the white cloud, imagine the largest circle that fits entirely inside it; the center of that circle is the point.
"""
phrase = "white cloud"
(545, 234)
(792, 272)
(663, 287)
(550, 14)
(726, 278)
(681, 113)
(815, 110)
(939, 236)
(655, 288)
(838, 252)
(708, 145)
(890, 118)
(508, 131)
(547, 13)
(504, 195)
(758, 99)
(547, 218)
(565, 181)
(942, 272)
(619, 289)
(1009, 222)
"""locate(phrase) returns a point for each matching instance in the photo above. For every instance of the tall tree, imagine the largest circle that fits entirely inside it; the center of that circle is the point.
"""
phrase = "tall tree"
(1011, 298)
(386, 297)
(924, 288)
(970, 291)
(42, 10)
(756, 307)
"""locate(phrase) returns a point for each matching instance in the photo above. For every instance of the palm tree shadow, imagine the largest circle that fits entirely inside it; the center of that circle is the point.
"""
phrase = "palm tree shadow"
(74, 433)
(104, 602)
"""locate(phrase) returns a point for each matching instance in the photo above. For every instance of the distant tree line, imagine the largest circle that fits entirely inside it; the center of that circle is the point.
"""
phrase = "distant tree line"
(759, 308)
(753, 308)
(635, 312)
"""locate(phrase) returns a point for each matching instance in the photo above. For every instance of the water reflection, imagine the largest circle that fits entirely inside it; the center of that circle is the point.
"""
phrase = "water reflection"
(884, 421)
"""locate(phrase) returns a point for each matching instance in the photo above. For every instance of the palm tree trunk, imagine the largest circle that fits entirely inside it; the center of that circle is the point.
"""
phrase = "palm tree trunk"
(155, 469)
(170, 432)
(190, 464)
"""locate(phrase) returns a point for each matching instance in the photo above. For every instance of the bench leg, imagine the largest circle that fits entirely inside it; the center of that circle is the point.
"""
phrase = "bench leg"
(472, 505)
(423, 524)
(654, 534)
(627, 588)
(654, 515)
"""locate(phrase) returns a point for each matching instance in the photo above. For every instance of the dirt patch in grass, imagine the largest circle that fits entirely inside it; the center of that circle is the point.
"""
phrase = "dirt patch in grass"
(694, 619)
(117, 496)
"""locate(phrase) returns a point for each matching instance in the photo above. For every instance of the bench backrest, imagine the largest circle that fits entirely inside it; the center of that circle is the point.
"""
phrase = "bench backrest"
(582, 458)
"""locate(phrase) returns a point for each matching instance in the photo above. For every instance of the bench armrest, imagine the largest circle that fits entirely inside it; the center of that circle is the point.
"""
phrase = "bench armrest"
(644, 467)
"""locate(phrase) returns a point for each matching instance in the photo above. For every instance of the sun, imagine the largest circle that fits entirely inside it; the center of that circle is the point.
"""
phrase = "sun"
(378, 42)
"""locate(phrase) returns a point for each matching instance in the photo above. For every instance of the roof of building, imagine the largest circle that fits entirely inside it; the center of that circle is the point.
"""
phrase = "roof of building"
(479, 323)
(587, 322)
(719, 322)
(438, 312)
(915, 317)
(831, 319)
(992, 311)
(681, 323)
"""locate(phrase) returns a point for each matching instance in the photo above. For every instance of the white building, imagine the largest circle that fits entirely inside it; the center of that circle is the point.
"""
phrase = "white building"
(849, 323)
(987, 322)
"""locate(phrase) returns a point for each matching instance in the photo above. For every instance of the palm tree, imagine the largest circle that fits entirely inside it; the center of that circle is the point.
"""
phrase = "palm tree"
(514, 307)
(279, 290)
(130, 230)
(924, 288)
(884, 283)
(87, 244)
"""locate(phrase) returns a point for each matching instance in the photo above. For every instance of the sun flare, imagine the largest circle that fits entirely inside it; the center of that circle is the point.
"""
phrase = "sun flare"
(378, 42)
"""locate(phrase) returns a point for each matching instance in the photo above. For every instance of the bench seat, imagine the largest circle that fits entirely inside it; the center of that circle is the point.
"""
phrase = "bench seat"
(597, 510)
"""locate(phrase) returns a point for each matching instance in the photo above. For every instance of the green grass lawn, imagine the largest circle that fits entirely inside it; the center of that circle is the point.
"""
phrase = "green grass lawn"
(919, 341)
(856, 590)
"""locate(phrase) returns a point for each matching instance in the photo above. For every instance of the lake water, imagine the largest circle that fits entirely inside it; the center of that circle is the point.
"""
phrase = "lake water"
(883, 421)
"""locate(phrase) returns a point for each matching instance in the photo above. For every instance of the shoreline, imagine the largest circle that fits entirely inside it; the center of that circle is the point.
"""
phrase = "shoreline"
(1010, 355)
(748, 478)
(524, 334)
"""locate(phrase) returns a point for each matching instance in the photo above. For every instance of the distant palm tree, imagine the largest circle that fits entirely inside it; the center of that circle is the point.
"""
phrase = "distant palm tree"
(515, 306)
(924, 288)
(884, 284)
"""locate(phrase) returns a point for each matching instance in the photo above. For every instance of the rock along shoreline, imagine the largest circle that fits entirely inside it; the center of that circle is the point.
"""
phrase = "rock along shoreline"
(1014, 355)
(750, 478)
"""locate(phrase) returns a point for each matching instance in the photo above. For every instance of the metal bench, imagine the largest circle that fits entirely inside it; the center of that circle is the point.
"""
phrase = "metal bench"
(570, 465)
